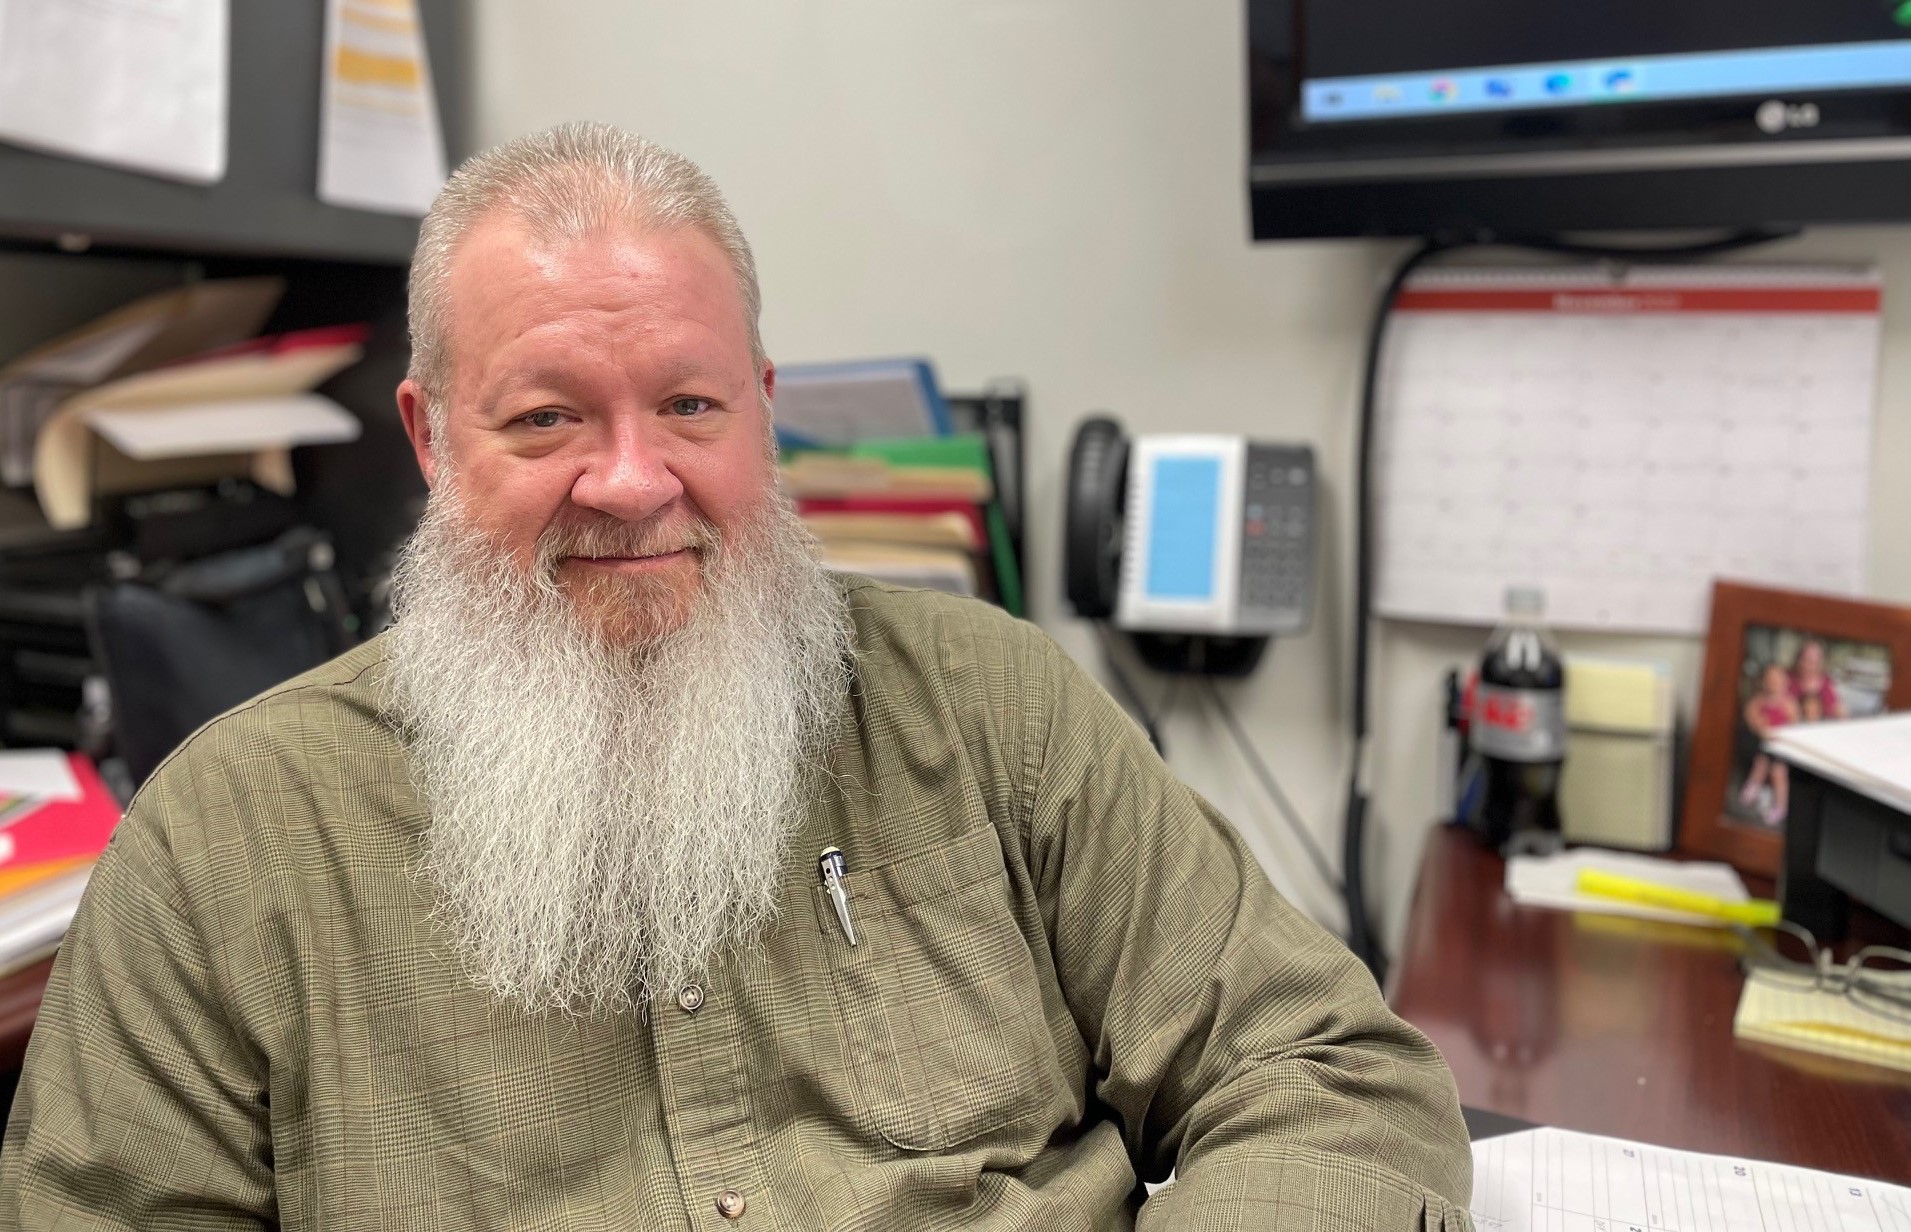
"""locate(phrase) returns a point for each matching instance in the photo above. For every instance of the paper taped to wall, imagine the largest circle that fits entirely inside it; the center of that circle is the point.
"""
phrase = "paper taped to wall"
(134, 83)
(380, 144)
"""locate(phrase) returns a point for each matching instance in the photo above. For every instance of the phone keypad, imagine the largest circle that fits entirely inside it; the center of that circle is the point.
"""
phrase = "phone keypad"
(1277, 541)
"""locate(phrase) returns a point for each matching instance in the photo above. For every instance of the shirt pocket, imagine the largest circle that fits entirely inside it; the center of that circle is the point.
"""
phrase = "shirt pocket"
(940, 1001)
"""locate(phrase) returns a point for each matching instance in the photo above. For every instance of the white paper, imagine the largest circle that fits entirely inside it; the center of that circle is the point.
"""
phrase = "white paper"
(42, 773)
(1622, 459)
(33, 920)
(1553, 881)
(134, 83)
(1554, 1180)
(380, 145)
(242, 425)
(1870, 755)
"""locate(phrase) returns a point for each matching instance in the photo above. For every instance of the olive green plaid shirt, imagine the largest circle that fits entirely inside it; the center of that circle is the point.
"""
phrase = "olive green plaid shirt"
(1071, 974)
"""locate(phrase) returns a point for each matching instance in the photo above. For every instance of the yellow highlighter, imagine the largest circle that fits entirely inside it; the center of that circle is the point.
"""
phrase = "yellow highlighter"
(1754, 913)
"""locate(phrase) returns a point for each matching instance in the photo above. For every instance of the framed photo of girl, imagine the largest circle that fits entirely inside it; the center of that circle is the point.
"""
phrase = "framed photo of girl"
(1774, 658)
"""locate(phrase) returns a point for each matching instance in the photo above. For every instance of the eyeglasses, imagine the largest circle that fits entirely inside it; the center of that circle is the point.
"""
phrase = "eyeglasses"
(1876, 979)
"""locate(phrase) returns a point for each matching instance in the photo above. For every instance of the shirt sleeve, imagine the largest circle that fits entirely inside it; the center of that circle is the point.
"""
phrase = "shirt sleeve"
(139, 1106)
(1240, 1045)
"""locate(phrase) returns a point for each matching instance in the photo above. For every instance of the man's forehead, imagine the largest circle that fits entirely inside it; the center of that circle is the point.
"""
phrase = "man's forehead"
(505, 256)
(507, 283)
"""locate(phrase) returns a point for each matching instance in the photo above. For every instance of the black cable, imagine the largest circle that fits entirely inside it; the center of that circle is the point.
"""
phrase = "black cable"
(1128, 691)
(1360, 935)
(1168, 699)
(1272, 786)
(1647, 253)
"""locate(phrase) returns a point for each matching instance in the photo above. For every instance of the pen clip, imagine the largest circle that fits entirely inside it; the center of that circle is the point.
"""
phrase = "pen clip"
(834, 868)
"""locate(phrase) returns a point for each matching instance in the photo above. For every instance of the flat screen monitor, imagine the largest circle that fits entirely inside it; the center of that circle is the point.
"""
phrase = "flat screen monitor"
(1400, 117)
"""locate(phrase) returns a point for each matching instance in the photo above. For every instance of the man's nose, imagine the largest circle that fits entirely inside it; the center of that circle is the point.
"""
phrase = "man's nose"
(627, 477)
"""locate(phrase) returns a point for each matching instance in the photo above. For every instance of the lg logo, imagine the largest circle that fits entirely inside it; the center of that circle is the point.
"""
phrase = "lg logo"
(1776, 115)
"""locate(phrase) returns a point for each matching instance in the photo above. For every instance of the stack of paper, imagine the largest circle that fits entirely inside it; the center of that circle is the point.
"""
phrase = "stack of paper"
(1872, 756)
(138, 337)
(1775, 1011)
(234, 412)
(61, 822)
(1553, 881)
(33, 921)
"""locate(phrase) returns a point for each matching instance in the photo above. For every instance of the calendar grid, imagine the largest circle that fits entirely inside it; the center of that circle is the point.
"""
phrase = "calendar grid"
(1620, 445)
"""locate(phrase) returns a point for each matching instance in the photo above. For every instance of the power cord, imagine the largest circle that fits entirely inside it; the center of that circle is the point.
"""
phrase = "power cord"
(1130, 695)
(1360, 935)
(1272, 787)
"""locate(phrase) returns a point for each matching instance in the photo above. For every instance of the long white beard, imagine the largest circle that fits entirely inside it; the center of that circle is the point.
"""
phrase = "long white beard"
(606, 817)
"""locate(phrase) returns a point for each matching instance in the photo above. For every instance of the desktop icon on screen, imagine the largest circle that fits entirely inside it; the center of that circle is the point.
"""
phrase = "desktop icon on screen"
(1501, 87)
(1387, 94)
(1559, 83)
(1621, 81)
(1444, 91)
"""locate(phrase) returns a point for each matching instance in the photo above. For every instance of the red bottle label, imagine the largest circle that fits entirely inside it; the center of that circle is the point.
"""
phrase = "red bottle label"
(1518, 724)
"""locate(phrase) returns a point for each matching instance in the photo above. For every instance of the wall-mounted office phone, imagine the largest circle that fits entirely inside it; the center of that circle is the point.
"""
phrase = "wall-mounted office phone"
(1191, 535)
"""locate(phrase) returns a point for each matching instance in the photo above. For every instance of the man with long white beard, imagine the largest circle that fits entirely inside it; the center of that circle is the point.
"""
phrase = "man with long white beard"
(645, 876)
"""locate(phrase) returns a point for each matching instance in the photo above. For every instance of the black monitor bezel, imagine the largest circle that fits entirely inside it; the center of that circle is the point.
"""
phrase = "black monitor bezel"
(1697, 163)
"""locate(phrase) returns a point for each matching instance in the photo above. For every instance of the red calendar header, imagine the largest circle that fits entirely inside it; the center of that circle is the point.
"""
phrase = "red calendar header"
(1621, 301)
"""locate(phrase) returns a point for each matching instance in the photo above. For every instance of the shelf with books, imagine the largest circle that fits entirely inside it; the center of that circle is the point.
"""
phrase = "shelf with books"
(919, 511)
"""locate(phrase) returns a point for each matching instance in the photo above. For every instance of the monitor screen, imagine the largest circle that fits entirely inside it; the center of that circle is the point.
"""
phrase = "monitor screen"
(1680, 104)
(1396, 58)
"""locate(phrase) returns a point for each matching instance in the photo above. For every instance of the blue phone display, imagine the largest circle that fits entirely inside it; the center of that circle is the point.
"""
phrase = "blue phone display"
(1183, 518)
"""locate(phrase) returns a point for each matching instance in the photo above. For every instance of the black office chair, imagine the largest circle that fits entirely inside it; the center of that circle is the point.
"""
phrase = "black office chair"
(195, 639)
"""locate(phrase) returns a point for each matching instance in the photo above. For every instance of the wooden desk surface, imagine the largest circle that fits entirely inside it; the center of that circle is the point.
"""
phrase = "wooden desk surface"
(19, 1004)
(1624, 1027)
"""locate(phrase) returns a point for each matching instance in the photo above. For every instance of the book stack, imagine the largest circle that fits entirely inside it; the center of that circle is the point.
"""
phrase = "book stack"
(56, 817)
(915, 511)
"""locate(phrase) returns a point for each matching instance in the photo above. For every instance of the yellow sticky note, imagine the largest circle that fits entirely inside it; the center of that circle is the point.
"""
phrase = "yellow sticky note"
(1616, 695)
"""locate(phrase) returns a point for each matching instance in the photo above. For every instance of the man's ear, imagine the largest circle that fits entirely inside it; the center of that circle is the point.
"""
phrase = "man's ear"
(412, 404)
(768, 383)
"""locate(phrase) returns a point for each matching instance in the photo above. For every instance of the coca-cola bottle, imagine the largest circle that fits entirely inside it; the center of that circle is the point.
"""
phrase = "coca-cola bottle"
(1518, 728)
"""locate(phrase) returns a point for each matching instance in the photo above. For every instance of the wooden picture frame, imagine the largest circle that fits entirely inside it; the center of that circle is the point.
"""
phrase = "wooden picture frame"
(1755, 656)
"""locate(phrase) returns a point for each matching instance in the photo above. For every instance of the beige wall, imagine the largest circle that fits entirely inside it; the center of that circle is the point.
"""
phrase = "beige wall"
(1051, 189)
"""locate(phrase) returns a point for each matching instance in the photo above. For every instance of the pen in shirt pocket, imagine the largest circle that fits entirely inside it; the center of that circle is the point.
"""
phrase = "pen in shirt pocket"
(834, 869)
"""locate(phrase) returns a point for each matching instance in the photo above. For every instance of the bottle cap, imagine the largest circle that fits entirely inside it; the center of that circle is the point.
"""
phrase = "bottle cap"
(1525, 601)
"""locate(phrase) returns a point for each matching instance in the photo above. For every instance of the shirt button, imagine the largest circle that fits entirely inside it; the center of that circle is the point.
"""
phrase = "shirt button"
(690, 997)
(730, 1204)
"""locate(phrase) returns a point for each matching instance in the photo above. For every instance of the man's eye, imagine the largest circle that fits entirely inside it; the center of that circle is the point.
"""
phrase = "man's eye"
(544, 419)
(689, 408)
